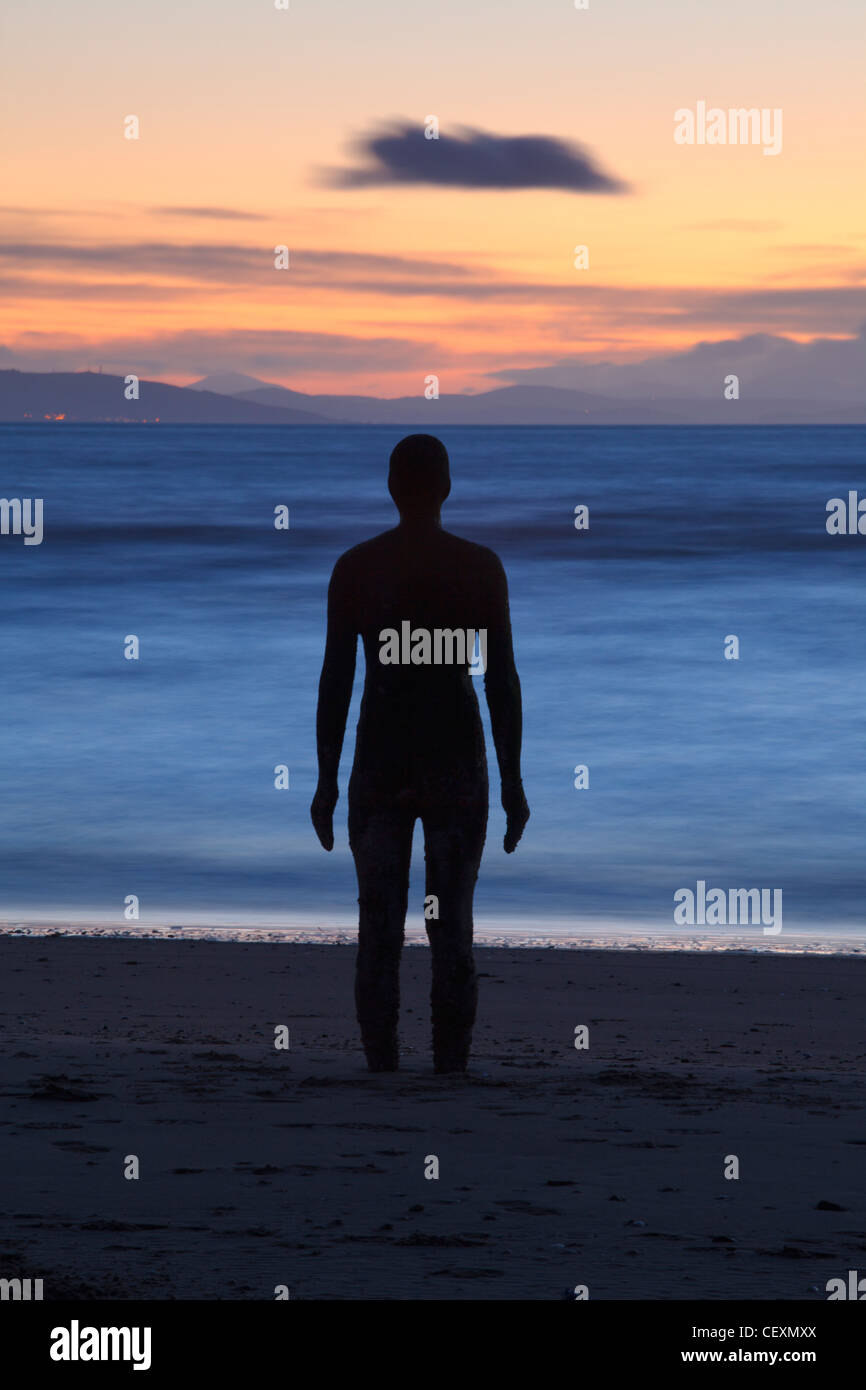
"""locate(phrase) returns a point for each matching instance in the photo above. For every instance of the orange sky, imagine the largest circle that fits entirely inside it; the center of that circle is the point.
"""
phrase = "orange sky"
(243, 107)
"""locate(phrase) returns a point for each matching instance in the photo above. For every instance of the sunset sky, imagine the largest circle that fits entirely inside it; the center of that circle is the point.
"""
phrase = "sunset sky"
(156, 255)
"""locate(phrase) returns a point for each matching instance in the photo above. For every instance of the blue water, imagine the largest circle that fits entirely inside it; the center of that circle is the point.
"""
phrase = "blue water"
(155, 777)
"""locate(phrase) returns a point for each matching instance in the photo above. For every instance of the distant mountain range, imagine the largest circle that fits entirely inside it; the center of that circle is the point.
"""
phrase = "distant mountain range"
(236, 399)
(96, 397)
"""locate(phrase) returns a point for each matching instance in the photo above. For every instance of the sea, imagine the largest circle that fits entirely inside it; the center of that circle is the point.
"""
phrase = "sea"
(692, 660)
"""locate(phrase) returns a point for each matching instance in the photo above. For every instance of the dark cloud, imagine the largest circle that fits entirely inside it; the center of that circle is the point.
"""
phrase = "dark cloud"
(401, 154)
(14, 211)
(48, 269)
(200, 353)
(20, 288)
(218, 214)
(226, 263)
(68, 214)
(769, 366)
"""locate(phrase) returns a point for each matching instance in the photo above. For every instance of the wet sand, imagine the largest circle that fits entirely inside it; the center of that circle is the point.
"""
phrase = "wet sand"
(558, 1166)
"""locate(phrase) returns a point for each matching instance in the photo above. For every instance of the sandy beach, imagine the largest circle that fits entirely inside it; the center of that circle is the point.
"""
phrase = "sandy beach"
(558, 1166)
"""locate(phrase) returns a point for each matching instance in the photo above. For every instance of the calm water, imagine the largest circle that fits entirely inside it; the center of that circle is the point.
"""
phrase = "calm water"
(156, 777)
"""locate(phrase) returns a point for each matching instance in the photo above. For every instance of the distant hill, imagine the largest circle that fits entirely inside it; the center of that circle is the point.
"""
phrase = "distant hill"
(95, 396)
(507, 405)
(92, 396)
(553, 405)
(228, 383)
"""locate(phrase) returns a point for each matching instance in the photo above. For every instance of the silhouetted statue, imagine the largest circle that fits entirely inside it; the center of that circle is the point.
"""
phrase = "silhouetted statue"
(413, 594)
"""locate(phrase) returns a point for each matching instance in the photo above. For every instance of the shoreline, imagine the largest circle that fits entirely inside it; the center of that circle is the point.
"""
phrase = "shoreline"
(502, 936)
